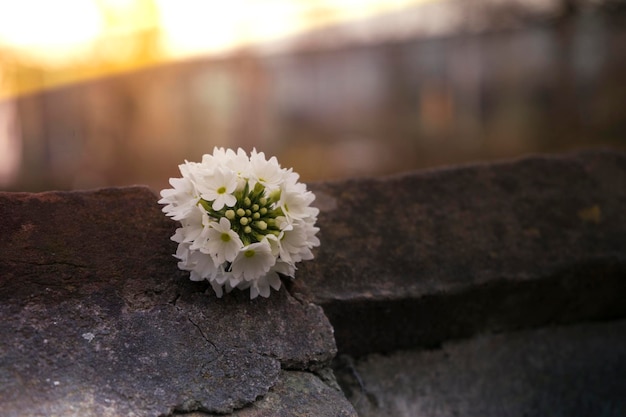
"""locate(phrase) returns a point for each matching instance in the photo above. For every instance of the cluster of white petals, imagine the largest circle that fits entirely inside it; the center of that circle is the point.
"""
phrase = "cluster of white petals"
(244, 220)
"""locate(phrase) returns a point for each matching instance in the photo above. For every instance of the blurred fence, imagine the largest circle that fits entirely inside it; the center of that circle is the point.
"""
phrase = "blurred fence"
(331, 109)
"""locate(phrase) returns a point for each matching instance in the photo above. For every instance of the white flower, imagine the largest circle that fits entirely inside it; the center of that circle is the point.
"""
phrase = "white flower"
(286, 268)
(262, 285)
(218, 188)
(201, 266)
(181, 199)
(244, 221)
(253, 261)
(268, 173)
(295, 201)
(223, 243)
(237, 162)
(191, 226)
(293, 244)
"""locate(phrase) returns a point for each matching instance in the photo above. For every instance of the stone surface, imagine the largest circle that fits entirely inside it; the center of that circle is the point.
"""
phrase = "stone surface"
(297, 394)
(418, 259)
(568, 371)
(96, 319)
(300, 394)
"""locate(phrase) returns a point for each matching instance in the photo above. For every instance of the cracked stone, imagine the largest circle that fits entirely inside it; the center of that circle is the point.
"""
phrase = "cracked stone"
(98, 321)
(297, 393)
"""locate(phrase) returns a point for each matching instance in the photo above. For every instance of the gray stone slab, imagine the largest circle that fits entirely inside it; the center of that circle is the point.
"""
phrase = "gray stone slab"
(297, 394)
(418, 259)
(568, 371)
(96, 319)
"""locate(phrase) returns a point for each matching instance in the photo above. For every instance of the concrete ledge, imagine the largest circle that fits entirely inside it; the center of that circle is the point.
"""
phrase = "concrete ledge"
(419, 259)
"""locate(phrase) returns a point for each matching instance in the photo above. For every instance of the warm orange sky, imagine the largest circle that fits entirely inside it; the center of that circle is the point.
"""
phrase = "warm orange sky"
(46, 43)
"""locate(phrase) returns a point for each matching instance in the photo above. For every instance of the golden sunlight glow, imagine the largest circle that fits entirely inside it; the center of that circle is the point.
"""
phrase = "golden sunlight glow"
(198, 27)
(48, 30)
(46, 43)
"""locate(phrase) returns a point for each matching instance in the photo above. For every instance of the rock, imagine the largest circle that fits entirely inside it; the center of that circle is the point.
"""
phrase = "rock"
(418, 259)
(299, 394)
(98, 321)
(573, 371)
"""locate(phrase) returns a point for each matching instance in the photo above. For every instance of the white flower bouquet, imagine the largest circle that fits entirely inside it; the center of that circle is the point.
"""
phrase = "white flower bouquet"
(244, 220)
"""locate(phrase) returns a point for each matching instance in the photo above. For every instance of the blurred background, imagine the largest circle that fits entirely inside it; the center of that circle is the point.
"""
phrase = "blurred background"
(115, 92)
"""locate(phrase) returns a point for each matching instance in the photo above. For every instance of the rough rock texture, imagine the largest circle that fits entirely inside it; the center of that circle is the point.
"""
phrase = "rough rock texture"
(569, 371)
(418, 259)
(299, 394)
(96, 319)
